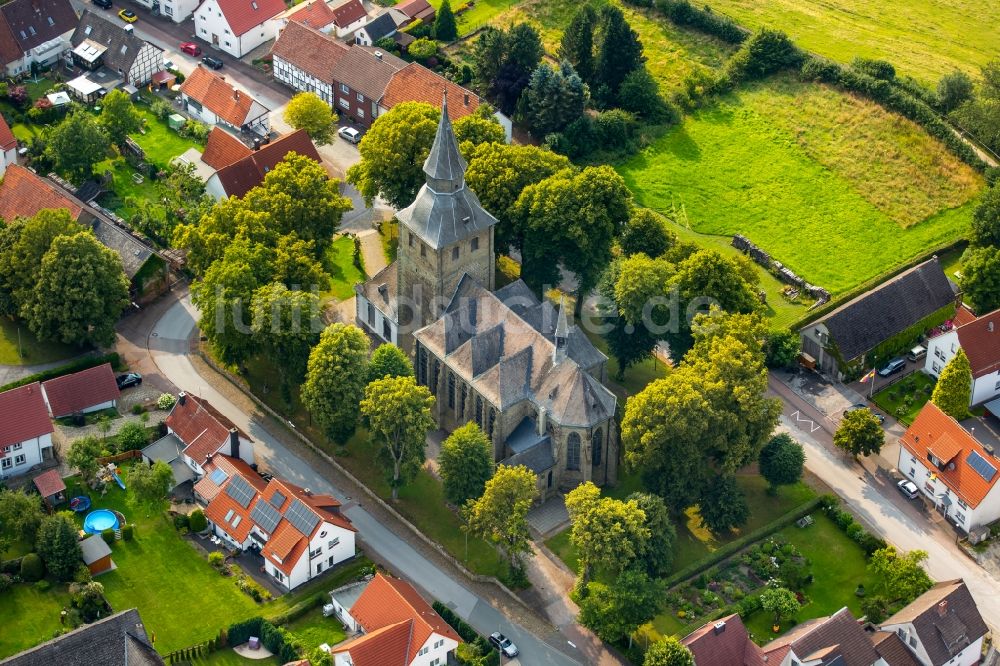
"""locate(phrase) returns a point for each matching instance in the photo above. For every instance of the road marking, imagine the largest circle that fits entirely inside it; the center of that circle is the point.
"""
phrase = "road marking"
(813, 426)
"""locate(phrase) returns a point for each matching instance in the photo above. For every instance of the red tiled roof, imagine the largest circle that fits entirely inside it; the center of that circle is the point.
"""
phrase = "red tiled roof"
(80, 390)
(200, 426)
(240, 177)
(315, 14)
(963, 315)
(415, 8)
(23, 415)
(349, 12)
(416, 83)
(49, 483)
(244, 15)
(309, 50)
(222, 149)
(387, 601)
(209, 489)
(219, 508)
(729, 647)
(7, 138)
(23, 193)
(981, 341)
(385, 646)
(933, 426)
(288, 544)
(218, 96)
(324, 506)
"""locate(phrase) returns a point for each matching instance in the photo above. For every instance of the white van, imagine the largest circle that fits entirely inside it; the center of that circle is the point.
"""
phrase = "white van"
(917, 353)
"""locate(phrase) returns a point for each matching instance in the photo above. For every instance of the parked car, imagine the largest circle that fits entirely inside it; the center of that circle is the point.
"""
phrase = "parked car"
(105, 4)
(128, 16)
(349, 134)
(892, 367)
(503, 644)
(212, 62)
(857, 406)
(908, 488)
(191, 49)
(130, 379)
(917, 353)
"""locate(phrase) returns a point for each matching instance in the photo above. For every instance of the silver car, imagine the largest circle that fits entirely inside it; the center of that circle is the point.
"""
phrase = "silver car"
(503, 644)
(349, 134)
(908, 488)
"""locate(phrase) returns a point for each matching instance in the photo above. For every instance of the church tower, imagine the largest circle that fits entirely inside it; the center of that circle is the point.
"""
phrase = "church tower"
(444, 234)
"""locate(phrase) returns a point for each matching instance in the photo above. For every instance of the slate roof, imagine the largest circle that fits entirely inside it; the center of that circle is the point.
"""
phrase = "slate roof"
(730, 646)
(218, 95)
(117, 640)
(348, 12)
(380, 26)
(890, 647)
(7, 138)
(310, 50)
(244, 15)
(945, 619)
(80, 390)
(23, 193)
(133, 253)
(49, 483)
(980, 339)
(934, 431)
(122, 45)
(530, 449)
(23, 415)
(863, 323)
(245, 174)
(34, 22)
(839, 635)
(361, 70)
(222, 149)
(382, 290)
(416, 83)
(416, 9)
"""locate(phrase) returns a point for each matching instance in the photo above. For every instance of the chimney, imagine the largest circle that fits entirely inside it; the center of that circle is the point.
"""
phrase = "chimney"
(234, 443)
(181, 398)
(718, 628)
(989, 326)
(256, 143)
(942, 608)
(542, 421)
(236, 94)
(378, 55)
(308, 493)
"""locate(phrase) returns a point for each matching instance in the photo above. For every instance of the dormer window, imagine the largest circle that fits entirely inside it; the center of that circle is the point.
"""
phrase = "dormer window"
(51, 22)
(87, 30)
(934, 460)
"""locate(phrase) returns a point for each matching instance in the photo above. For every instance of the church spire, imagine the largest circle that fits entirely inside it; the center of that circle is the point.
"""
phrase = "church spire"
(561, 337)
(444, 167)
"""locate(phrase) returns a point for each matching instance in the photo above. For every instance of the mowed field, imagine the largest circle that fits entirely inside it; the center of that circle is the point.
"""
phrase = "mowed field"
(922, 38)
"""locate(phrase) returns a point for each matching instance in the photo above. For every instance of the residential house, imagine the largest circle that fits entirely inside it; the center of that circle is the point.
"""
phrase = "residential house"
(834, 640)
(238, 26)
(204, 432)
(381, 26)
(34, 31)
(176, 10)
(941, 626)
(25, 430)
(338, 21)
(849, 338)
(980, 338)
(398, 628)
(8, 147)
(238, 178)
(116, 640)
(97, 42)
(86, 391)
(170, 449)
(725, 642)
(954, 469)
(408, 11)
(361, 76)
(304, 59)
(298, 533)
(349, 16)
(96, 555)
(212, 99)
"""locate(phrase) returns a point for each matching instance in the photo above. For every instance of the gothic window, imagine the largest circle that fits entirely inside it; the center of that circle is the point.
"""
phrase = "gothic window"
(573, 451)
(454, 253)
(461, 399)
(436, 368)
(409, 238)
(597, 443)
(491, 423)
(479, 411)
(451, 390)
(421, 367)
(475, 243)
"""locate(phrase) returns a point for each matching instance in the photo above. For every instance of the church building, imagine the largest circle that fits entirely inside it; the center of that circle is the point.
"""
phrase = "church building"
(499, 357)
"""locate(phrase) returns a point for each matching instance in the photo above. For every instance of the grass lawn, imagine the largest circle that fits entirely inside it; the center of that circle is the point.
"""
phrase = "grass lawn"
(922, 38)
(125, 188)
(30, 617)
(227, 657)
(769, 186)
(34, 351)
(339, 263)
(161, 143)
(892, 400)
(313, 629)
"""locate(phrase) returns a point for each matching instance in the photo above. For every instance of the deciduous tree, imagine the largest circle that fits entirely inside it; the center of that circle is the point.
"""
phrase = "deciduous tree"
(465, 464)
(306, 111)
(646, 232)
(723, 506)
(25, 244)
(981, 277)
(119, 117)
(477, 128)
(640, 94)
(657, 552)
(986, 219)
(501, 513)
(388, 360)
(953, 391)
(83, 455)
(615, 611)
(75, 145)
(397, 411)
(901, 576)
(131, 437)
(859, 433)
(286, 325)
(445, 27)
(780, 601)
(335, 380)
(954, 89)
(607, 532)
(149, 485)
(781, 461)
(57, 545)
(422, 49)
(668, 651)
(20, 516)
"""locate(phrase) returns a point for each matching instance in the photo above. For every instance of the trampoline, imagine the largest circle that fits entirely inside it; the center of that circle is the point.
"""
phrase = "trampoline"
(100, 520)
(79, 504)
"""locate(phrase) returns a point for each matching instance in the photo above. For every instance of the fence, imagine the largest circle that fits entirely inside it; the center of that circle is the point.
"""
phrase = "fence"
(128, 455)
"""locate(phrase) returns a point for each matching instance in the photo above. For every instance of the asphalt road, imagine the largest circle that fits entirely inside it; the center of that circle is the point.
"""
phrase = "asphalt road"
(168, 343)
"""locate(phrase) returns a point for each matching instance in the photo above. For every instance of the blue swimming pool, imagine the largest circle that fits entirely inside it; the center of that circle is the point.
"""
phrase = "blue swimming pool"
(100, 520)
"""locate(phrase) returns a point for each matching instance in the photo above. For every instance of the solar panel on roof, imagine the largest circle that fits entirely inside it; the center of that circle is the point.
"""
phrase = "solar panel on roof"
(218, 477)
(240, 490)
(301, 518)
(277, 499)
(981, 465)
(266, 516)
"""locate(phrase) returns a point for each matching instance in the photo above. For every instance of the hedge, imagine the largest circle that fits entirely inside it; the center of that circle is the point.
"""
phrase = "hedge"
(279, 641)
(298, 610)
(682, 12)
(73, 366)
(468, 634)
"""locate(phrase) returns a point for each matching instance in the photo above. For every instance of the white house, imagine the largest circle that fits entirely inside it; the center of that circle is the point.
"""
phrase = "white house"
(213, 100)
(238, 26)
(298, 533)
(381, 26)
(86, 391)
(980, 338)
(204, 432)
(34, 31)
(8, 147)
(176, 10)
(98, 42)
(25, 430)
(398, 627)
(951, 468)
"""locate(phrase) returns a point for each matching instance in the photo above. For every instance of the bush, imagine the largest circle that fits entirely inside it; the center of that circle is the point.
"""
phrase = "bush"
(6, 581)
(820, 69)
(682, 12)
(767, 52)
(878, 69)
(197, 521)
(217, 560)
(82, 575)
(875, 609)
(32, 568)
(138, 409)
(14, 566)
(43, 585)
(748, 605)
(615, 129)
(854, 531)
(422, 49)
(165, 401)
(108, 535)
(132, 436)
(128, 532)
(181, 520)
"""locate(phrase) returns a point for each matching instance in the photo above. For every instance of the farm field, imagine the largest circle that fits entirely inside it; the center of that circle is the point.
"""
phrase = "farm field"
(922, 38)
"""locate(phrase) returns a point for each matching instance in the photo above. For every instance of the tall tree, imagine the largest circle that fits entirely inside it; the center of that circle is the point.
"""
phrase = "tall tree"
(20, 516)
(779, 601)
(616, 611)
(577, 44)
(668, 651)
(477, 128)
(953, 392)
(981, 277)
(286, 324)
(618, 54)
(149, 485)
(388, 360)
(723, 506)
(80, 294)
(657, 552)
(503, 61)
(83, 455)
(398, 413)
(954, 89)
(606, 532)
(445, 27)
(781, 461)
(26, 242)
(57, 545)
(465, 464)
(335, 380)
(640, 94)
(75, 145)
(119, 117)
(306, 111)
(646, 232)
(501, 513)
(859, 433)
(553, 99)
(986, 219)
(901, 576)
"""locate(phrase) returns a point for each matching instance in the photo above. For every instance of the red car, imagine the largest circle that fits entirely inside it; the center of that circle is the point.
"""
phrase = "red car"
(191, 49)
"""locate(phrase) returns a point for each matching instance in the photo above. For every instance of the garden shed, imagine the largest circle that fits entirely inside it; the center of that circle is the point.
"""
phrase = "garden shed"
(176, 121)
(96, 554)
(51, 487)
